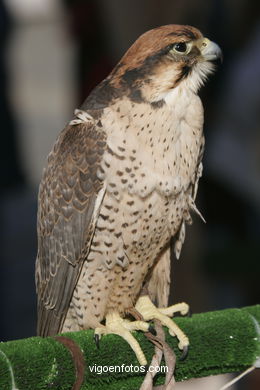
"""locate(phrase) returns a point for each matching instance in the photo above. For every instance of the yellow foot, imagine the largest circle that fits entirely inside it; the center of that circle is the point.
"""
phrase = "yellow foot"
(117, 325)
(150, 312)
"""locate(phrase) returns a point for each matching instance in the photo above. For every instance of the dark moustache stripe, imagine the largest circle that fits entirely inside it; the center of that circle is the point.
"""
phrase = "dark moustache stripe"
(185, 71)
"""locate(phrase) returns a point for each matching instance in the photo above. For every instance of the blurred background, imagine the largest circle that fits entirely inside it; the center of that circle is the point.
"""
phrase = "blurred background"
(52, 53)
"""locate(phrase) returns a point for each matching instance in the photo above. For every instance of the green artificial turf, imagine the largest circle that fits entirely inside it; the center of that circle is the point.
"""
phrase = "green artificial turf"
(220, 342)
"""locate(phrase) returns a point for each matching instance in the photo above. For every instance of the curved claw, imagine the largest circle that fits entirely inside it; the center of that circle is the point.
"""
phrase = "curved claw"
(189, 314)
(152, 330)
(184, 353)
(96, 339)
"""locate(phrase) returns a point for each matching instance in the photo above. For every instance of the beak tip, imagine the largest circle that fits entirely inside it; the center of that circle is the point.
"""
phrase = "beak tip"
(212, 52)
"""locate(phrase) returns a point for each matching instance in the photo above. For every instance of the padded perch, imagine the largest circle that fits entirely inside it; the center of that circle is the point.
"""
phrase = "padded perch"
(220, 342)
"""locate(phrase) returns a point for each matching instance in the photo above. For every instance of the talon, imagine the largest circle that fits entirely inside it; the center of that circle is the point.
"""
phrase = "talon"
(122, 327)
(184, 353)
(149, 312)
(152, 330)
(96, 339)
(189, 314)
(185, 309)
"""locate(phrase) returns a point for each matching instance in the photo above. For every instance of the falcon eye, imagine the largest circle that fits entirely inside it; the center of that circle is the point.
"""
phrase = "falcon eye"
(180, 47)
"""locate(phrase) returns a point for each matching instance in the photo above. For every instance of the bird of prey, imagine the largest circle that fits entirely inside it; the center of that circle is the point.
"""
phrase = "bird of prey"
(119, 184)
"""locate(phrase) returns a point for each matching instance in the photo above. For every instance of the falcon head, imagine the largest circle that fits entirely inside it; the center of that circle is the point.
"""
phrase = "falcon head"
(163, 59)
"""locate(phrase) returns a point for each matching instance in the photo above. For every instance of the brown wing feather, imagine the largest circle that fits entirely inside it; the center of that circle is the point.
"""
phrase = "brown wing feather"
(68, 197)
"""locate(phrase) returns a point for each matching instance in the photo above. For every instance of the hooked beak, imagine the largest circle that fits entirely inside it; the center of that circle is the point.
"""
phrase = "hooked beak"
(210, 51)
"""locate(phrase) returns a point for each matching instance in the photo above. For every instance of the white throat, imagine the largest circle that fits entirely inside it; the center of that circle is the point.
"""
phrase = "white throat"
(190, 85)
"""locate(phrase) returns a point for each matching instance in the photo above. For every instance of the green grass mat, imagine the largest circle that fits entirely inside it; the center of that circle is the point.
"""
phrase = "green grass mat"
(220, 342)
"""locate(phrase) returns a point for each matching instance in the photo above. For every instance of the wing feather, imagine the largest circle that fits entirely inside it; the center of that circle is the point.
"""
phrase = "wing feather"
(70, 196)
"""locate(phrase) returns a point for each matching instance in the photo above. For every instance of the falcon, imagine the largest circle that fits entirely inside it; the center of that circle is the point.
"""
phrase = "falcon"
(120, 183)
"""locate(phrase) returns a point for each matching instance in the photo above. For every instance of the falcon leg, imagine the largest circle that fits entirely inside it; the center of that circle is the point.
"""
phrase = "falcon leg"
(117, 325)
(150, 312)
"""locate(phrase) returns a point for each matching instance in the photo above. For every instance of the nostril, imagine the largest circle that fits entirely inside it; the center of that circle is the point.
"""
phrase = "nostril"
(205, 43)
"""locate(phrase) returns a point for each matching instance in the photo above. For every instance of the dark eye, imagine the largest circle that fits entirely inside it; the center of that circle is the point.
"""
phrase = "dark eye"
(180, 47)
